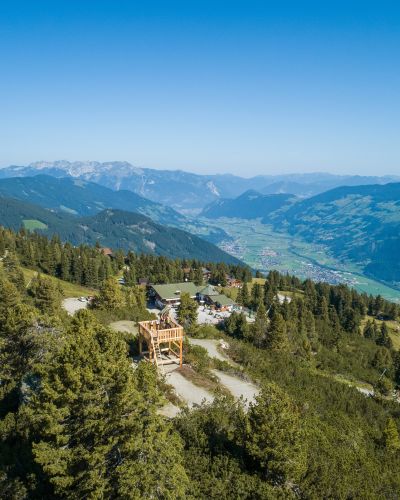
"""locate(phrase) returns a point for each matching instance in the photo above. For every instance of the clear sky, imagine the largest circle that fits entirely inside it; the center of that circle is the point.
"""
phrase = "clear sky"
(208, 86)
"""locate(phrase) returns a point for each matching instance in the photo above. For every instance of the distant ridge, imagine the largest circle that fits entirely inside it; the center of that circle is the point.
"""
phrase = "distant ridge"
(185, 191)
(248, 205)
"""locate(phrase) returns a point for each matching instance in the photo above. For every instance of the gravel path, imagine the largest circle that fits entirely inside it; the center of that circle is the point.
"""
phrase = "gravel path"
(72, 305)
(187, 391)
(238, 388)
(211, 346)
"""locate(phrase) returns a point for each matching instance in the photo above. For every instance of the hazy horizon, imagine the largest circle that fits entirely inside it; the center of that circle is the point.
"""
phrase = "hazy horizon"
(214, 172)
(247, 88)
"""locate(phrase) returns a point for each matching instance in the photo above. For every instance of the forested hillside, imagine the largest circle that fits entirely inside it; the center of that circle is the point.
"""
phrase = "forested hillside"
(111, 228)
(360, 223)
(249, 205)
(77, 421)
(79, 197)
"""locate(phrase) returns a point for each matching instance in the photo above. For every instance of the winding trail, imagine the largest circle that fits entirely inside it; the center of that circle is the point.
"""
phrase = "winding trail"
(194, 395)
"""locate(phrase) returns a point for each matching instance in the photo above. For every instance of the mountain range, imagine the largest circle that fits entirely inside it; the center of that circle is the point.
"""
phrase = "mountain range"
(358, 223)
(184, 191)
(111, 228)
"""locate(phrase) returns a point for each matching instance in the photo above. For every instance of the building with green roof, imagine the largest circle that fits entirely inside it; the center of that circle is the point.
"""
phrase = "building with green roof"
(170, 295)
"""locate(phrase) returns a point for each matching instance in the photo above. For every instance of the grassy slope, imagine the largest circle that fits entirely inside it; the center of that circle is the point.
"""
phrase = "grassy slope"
(69, 289)
(394, 329)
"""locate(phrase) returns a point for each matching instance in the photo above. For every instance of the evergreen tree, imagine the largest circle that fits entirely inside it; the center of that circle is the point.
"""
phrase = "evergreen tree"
(130, 276)
(274, 436)
(243, 295)
(187, 313)
(370, 330)
(95, 436)
(257, 295)
(14, 272)
(276, 335)
(46, 295)
(198, 276)
(260, 326)
(110, 296)
(390, 438)
(384, 337)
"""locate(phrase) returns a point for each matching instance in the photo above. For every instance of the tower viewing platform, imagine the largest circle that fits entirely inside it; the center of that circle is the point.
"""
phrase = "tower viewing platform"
(161, 336)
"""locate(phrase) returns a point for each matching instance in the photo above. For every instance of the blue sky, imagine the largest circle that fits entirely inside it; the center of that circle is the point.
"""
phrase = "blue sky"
(242, 86)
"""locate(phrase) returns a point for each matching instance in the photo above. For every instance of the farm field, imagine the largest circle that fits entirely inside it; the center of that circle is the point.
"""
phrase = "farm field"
(262, 248)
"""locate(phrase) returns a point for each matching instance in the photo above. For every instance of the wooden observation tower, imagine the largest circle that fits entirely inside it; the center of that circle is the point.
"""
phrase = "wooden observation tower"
(161, 336)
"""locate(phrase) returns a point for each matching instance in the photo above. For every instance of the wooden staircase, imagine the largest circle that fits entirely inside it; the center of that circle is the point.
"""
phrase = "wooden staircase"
(157, 353)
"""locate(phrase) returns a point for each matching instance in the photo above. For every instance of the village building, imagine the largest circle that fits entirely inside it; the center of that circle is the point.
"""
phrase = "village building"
(211, 297)
(170, 295)
(206, 274)
(107, 252)
(233, 282)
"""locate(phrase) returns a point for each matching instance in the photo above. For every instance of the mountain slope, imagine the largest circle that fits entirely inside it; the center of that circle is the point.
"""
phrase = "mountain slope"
(186, 191)
(360, 223)
(79, 197)
(111, 228)
(249, 205)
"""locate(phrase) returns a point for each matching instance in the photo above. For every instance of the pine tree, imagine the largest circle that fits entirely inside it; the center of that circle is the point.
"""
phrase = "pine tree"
(46, 295)
(384, 337)
(274, 436)
(257, 295)
(94, 434)
(277, 336)
(187, 313)
(243, 295)
(260, 326)
(14, 272)
(198, 276)
(110, 296)
(390, 438)
(130, 276)
(370, 331)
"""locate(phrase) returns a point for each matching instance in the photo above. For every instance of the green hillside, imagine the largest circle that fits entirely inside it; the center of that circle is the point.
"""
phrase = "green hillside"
(111, 228)
(360, 224)
(79, 197)
(248, 205)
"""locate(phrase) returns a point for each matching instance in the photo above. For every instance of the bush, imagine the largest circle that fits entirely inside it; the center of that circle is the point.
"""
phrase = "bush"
(383, 386)
(206, 332)
(197, 357)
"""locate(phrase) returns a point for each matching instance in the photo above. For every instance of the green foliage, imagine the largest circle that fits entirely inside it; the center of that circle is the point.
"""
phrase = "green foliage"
(110, 296)
(187, 313)
(277, 334)
(197, 357)
(94, 433)
(390, 437)
(274, 438)
(77, 421)
(46, 295)
(206, 332)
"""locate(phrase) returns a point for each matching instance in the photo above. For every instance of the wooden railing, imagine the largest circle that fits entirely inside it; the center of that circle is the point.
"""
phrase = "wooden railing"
(151, 329)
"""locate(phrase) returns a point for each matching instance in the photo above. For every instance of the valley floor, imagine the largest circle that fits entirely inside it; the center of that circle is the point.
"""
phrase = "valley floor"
(262, 248)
